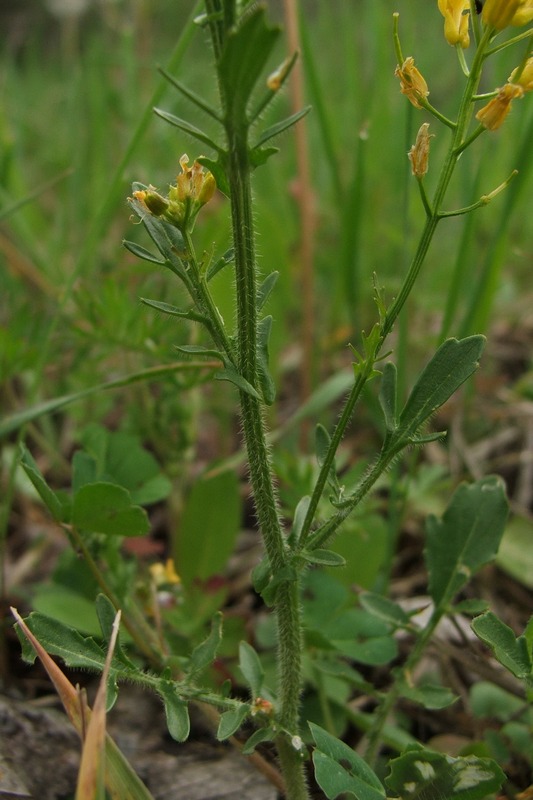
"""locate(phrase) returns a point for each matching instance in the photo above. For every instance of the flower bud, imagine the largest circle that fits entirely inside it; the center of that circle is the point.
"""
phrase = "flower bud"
(412, 84)
(456, 15)
(499, 14)
(525, 77)
(419, 152)
(152, 200)
(494, 113)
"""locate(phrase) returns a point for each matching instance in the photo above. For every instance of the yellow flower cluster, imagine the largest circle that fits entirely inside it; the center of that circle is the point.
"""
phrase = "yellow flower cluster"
(194, 188)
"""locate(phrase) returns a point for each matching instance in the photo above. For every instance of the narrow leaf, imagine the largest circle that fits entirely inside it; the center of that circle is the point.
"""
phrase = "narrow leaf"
(186, 127)
(322, 443)
(251, 668)
(173, 311)
(509, 650)
(230, 374)
(264, 290)
(190, 95)
(299, 517)
(224, 261)
(231, 721)
(280, 127)
(387, 395)
(268, 387)
(466, 538)
(49, 497)
(198, 350)
(326, 558)
(142, 252)
(205, 653)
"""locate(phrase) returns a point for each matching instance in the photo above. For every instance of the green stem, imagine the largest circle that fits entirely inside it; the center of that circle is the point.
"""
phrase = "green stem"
(287, 600)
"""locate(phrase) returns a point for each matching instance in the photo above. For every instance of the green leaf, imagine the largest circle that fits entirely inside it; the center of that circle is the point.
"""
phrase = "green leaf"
(466, 538)
(176, 711)
(261, 575)
(142, 252)
(225, 260)
(429, 695)
(107, 508)
(268, 387)
(511, 652)
(77, 651)
(265, 289)
(326, 558)
(49, 497)
(259, 736)
(209, 527)
(280, 127)
(251, 668)
(219, 170)
(190, 95)
(452, 364)
(243, 58)
(198, 350)
(300, 514)
(204, 654)
(173, 311)
(231, 721)
(385, 609)
(260, 155)
(423, 775)
(387, 395)
(230, 374)
(187, 128)
(339, 769)
(322, 443)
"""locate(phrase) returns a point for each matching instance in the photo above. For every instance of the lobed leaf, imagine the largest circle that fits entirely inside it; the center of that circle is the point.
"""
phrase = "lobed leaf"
(512, 652)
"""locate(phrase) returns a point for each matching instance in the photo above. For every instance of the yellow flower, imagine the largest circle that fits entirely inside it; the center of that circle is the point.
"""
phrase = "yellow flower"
(165, 575)
(456, 15)
(412, 84)
(419, 152)
(494, 113)
(499, 14)
(525, 78)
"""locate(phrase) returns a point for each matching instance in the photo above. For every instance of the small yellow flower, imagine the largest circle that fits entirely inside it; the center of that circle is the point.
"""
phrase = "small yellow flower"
(525, 78)
(165, 575)
(494, 113)
(412, 84)
(419, 152)
(499, 14)
(456, 15)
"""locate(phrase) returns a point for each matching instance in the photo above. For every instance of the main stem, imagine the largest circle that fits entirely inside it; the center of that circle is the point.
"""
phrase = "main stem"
(287, 600)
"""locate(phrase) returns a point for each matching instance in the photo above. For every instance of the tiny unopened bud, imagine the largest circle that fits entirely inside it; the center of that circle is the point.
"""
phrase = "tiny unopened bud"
(297, 743)
(262, 706)
(412, 84)
(494, 113)
(276, 78)
(419, 152)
